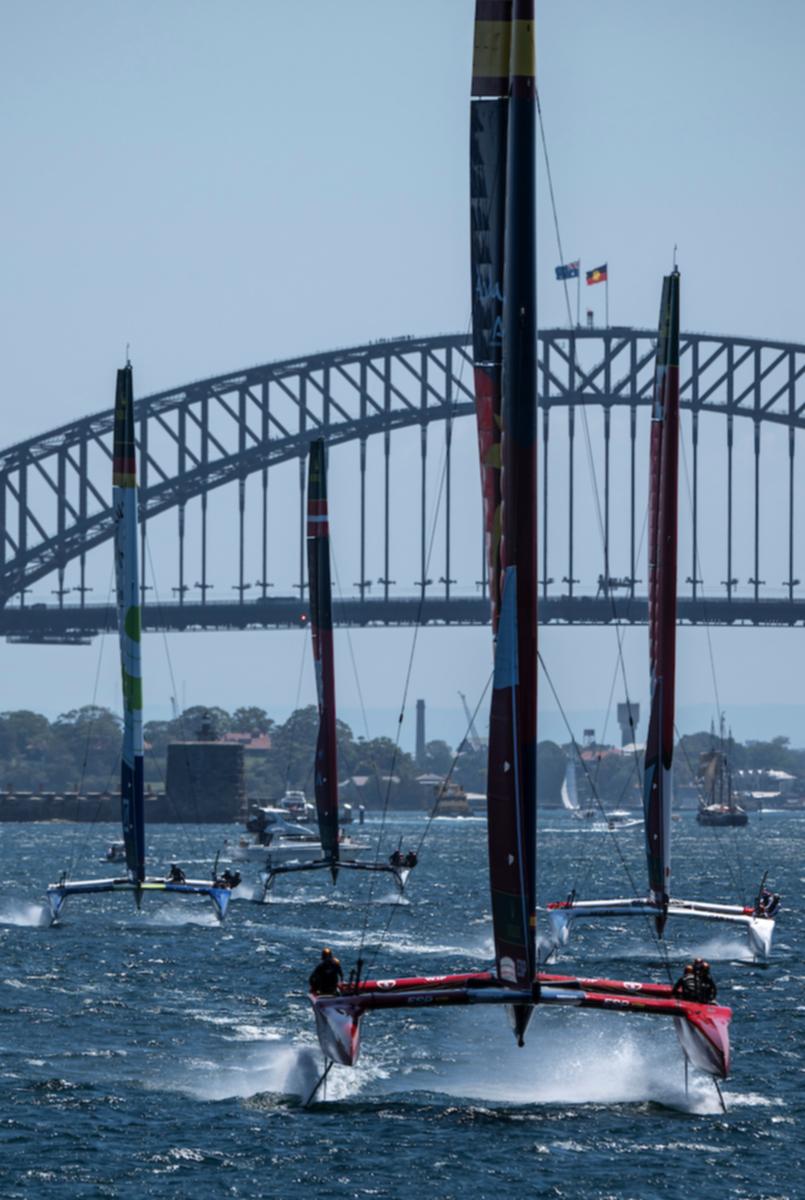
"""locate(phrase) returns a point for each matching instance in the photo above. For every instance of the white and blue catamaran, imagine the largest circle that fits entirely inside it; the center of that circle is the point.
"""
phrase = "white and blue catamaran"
(127, 577)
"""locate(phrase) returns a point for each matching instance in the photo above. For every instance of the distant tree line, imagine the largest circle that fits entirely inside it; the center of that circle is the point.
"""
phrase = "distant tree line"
(80, 751)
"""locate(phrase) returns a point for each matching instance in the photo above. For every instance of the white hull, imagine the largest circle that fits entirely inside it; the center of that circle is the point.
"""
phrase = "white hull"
(281, 851)
(759, 930)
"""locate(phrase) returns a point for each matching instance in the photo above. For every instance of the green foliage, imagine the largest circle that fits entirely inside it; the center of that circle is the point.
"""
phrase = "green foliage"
(80, 749)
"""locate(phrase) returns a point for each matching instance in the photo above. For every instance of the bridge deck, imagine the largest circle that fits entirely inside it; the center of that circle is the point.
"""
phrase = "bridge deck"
(73, 623)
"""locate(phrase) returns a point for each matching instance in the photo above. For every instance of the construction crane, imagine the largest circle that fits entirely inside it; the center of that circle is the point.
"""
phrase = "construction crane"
(472, 737)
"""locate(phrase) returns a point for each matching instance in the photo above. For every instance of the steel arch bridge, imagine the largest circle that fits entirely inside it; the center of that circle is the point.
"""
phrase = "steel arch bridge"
(55, 503)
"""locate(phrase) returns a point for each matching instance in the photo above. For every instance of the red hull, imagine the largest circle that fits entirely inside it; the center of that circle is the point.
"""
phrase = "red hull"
(703, 1029)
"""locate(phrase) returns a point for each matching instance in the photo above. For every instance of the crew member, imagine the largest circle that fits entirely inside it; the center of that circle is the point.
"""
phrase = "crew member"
(685, 986)
(176, 874)
(396, 858)
(706, 990)
(767, 903)
(327, 975)
(411, 860)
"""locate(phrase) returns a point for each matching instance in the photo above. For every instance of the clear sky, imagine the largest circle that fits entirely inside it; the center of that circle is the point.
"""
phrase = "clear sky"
(220, 184)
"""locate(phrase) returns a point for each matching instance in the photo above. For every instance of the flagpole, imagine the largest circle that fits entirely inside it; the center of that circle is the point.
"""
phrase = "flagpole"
(606, 302)
(578, 296)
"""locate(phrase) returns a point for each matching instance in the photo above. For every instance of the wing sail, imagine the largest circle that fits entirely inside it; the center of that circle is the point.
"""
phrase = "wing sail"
(321, 613)
(511, 787)
(663, 488)
(488, 129)
(127, 578)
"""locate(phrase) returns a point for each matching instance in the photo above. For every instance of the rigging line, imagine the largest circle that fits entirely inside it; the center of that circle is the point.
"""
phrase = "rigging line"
(431, 818)
(356, 676)
(406, 687)
(302, 661)
(608, 592)
(193, 793)
(78, 849)
(409, 669)
(553, 205)
(711, 655)
(612, 833)
(704, 597)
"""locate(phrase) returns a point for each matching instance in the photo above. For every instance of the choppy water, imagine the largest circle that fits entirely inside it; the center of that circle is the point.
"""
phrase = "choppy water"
(157, 1054)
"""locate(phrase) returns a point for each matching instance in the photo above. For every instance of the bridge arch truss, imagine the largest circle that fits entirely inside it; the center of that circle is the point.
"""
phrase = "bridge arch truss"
(55, 494)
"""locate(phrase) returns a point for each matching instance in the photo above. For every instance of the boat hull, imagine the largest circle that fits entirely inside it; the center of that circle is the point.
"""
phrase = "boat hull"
(281, 851)
(759, 930)
(59, 893)
(703, 1029)
(722, 817)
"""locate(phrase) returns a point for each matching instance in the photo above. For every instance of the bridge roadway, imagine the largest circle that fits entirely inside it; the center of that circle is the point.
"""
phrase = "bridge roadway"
(75, 624)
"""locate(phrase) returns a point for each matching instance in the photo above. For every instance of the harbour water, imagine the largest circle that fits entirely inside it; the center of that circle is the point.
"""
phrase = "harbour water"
(158, 1054)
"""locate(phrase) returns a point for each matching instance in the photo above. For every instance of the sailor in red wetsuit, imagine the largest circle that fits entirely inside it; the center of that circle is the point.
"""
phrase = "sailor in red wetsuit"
(327, 975)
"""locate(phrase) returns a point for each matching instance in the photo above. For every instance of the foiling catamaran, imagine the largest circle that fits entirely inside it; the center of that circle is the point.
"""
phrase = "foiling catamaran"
(399, 865)
(127, 578)
(503, 133)
(658, 772)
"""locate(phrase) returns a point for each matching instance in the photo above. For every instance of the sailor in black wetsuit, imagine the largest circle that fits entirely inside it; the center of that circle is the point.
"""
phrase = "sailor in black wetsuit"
(176, 874)
(685, 986)
(706, 990)
(327, 975)
(696, 983)
(396, 858)
(767, 903)
(411, 860)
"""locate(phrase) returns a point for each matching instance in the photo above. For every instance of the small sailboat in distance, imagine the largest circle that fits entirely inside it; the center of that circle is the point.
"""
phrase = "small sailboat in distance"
(658, 768)
(399, 865)
(717, 803)
(127, 578)
(503, 149)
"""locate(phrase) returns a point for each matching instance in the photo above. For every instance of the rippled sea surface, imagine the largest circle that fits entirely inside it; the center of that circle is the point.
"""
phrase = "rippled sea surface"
(157, 1054)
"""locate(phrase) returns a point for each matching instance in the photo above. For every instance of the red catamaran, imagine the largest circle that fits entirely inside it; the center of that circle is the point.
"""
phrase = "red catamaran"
(503, 245)
(658, 767)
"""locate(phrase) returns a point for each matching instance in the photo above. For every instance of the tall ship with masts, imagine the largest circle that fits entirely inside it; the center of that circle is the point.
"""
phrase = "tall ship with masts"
(717, 802)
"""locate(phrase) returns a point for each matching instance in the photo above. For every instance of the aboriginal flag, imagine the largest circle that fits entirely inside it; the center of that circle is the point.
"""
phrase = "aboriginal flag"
(597, 275)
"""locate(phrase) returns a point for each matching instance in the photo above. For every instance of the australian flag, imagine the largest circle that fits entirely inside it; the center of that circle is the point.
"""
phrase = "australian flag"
(568, 271)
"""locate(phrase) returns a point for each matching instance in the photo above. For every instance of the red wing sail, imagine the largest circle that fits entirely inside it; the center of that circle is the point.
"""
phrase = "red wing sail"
(321, 615)
(512, 834)
(663, 487)
(511, 788)
(488, 129)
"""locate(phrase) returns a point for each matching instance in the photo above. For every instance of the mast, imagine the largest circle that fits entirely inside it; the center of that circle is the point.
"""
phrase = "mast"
(489, 113)
(127, 578)
(663, 488)
(321, 617)
(511, 783)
